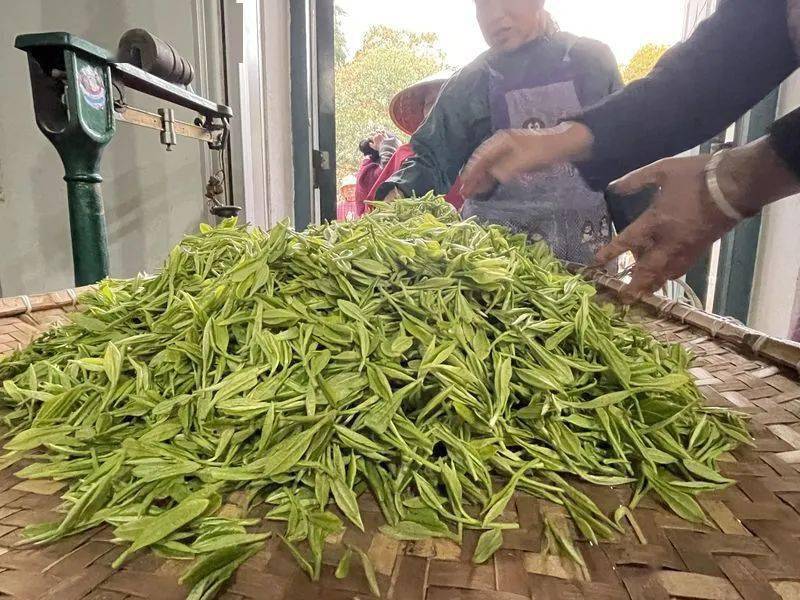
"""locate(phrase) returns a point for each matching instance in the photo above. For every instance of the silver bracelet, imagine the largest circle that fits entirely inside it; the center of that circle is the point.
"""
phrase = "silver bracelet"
(715, 190)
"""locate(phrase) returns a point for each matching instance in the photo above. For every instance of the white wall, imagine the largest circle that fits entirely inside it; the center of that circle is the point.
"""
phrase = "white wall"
(259, 60)
(278, 108)
(778, 263)
(695, 12)
(152, 197)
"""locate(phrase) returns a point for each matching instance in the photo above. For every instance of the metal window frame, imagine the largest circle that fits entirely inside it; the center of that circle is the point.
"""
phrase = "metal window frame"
(325, 79)
(739, 250)
(301, 112)
(313, 111)
(208, 17)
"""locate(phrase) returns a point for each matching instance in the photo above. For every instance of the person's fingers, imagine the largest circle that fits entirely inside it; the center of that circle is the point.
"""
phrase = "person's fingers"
(637, 238)
(487, 154)
(480, 186)
(648, 275)
(679, 265)
(642, 284)
(480, 168)
(510, 167)
(638, 180)
(616, 248)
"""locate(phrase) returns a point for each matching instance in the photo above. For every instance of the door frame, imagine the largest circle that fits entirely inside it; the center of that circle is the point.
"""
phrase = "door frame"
(256, 44)
(313, 111)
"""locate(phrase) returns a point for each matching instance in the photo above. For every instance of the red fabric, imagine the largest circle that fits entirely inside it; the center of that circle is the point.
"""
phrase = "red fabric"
(454, 196)
(349, 210)
(365, 180)
(404, 152)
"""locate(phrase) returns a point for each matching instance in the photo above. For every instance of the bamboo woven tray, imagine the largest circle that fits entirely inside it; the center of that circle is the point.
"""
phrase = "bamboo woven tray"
(752, 552)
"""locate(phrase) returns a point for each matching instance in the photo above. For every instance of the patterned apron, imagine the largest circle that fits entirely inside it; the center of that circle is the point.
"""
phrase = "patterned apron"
(554, 205)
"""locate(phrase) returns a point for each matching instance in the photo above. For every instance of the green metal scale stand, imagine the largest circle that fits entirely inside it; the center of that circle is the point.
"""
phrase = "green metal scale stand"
(73, 82)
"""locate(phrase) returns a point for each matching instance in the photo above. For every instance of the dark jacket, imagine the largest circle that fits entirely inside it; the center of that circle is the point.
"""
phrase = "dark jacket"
(461, 119)
(734, 59)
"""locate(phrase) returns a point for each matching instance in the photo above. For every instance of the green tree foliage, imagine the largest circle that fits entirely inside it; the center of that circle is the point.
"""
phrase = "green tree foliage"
(643, 62)
(388, 61)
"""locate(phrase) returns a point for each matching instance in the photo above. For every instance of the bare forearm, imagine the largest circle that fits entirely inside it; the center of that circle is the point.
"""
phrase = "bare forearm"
(573, 141)
(754, 176)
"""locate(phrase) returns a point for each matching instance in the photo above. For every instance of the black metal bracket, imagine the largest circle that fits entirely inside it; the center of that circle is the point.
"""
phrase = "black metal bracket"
(321, 161)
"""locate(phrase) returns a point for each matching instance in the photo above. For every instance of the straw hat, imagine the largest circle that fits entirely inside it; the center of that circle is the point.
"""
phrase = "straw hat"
(347, 188)
(407, 108)
(349, 180)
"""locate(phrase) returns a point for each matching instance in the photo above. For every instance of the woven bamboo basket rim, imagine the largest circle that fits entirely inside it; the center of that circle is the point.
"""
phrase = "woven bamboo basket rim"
(780, 351)
(27, 304)
(751, 550)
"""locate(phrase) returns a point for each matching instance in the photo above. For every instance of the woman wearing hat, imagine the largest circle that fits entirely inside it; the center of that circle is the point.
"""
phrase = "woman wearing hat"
(533, 76)
(408, 110)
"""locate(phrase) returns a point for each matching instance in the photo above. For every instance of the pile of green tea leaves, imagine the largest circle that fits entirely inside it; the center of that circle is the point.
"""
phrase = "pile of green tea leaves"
(438, 364)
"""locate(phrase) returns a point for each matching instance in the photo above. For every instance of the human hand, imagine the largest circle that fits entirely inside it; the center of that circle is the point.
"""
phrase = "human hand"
(511, 153)
(376, 139)
(393, 195)
(673, 233)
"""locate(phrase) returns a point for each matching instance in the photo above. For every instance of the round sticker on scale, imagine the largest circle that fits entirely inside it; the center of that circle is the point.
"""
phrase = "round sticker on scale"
(92, 86)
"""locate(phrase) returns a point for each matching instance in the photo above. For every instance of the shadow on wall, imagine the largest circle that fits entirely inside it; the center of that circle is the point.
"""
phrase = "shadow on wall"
(150, 214)
(49, 241)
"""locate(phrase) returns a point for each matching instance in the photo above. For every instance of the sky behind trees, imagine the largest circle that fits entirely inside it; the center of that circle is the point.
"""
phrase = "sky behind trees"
(625, 25)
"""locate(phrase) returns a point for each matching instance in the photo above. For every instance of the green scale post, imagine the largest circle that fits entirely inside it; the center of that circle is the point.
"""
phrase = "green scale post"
(72, 99)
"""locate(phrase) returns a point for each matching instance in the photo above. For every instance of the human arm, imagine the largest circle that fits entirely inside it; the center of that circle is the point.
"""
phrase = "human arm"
(455, 127)
(367, 174)
(388, 146)
(700, 200)
(508, 153)
(697, 89)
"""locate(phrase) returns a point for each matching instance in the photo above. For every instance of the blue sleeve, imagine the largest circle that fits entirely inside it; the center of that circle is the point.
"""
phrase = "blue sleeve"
(734, 59)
